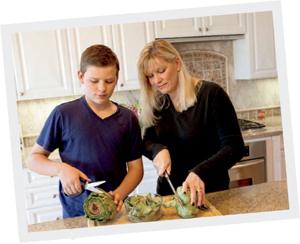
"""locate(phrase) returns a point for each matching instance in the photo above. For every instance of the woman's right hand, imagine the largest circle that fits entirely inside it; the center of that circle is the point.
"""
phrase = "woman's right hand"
(162, 162)
(69, 177)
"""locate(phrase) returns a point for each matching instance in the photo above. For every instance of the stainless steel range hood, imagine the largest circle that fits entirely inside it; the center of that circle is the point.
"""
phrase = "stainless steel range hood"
(204, 38)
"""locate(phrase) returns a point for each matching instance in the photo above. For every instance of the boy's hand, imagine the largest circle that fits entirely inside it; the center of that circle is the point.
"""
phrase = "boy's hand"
(69, 177)
(117, 200)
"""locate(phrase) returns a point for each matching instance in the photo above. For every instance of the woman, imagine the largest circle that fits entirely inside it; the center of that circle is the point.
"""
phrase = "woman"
(191, 128)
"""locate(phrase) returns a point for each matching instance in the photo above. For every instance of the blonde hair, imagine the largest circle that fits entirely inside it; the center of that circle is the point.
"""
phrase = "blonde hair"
(152, 99)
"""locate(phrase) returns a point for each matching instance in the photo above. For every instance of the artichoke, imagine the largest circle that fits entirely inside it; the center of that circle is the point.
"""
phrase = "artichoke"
(143, 208)
(100, 207)
(187, 211)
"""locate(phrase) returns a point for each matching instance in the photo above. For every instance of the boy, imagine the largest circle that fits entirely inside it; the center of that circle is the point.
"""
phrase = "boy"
(97, 138)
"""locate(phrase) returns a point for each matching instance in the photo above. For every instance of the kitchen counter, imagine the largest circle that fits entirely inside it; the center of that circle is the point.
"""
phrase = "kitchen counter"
(265, 132)
(272, 196)
(263, 197)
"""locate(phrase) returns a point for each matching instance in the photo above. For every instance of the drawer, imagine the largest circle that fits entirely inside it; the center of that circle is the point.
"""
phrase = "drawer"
(32, 179)
(41, 215)
(41, 197)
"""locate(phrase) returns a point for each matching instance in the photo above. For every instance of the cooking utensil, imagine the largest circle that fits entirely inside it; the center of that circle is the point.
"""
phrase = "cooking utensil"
(173, 189)
(204, 208)
(86, 186)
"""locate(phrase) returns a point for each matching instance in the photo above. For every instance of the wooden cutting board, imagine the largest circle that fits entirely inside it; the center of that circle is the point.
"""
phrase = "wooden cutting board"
(167, 214)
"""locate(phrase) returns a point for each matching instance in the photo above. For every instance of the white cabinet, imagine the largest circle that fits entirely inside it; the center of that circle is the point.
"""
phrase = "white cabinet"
(148, 183)
(80, 39)
(47, 62)
(129, 40)
(41, 215)
(283, 164)
(41, 197)
(275, 158)
(254, 56)
(201, 26)
(42, 64)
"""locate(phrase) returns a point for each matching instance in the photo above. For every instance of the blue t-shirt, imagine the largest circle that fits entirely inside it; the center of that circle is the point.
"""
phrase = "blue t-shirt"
(100, 148)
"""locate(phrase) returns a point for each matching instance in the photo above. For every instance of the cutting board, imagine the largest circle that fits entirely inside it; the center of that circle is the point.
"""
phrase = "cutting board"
(167, 214)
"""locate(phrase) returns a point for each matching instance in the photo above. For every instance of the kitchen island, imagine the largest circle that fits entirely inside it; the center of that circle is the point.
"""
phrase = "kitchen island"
(271, 196)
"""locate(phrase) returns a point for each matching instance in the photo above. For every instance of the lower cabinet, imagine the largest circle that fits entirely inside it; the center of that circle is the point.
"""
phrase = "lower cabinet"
(283, 164)
(44, 214)
(148, 184)
(276, 168)
(41, 197)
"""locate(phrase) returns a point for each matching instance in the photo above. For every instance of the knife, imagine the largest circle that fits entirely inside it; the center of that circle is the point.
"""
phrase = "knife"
(173, 189)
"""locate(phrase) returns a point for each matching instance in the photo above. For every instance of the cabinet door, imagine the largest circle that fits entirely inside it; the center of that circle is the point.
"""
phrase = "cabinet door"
(149, 181)
(34, 180)
(255, 55)
(41, 215)
(42, 65)
(224, 24)
(41, 197)
(80, 39)
(178, 28)
(129, 40)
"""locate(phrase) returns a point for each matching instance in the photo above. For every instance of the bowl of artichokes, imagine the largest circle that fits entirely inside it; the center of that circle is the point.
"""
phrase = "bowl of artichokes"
(143, 207)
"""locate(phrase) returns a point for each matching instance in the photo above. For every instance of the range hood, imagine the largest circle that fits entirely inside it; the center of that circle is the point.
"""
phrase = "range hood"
(204, 38)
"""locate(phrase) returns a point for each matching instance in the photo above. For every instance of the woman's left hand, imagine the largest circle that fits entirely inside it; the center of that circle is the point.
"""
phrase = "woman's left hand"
(197, 188)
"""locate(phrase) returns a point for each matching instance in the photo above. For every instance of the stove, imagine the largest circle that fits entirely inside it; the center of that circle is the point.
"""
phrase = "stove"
(250, 126)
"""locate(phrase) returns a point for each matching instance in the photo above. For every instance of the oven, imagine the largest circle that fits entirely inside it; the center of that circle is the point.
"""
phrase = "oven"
(251, 169)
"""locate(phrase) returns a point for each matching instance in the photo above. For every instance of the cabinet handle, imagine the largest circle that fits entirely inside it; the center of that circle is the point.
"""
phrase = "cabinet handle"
(122, 85)
(54, 195)
(57, 218)
(21, 94)
(200, 29)
(206, 29)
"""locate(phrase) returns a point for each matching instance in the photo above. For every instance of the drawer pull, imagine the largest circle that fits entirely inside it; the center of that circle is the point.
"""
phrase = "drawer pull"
(54, 195)
(57, 218)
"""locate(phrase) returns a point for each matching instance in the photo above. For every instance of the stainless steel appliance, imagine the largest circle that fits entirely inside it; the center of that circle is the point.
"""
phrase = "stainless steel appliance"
(250, 126)
(251, 169)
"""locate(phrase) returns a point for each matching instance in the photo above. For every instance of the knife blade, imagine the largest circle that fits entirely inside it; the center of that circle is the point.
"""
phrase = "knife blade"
(173, 189)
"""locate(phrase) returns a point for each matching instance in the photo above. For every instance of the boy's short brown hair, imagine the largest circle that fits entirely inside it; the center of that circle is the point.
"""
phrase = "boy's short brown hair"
(100, 56)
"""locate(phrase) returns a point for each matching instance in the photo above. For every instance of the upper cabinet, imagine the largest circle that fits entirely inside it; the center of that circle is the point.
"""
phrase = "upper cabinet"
(201, 26)
(129, 40)
(42, 64)
(79, 40)
(47, 62)
(254, 56)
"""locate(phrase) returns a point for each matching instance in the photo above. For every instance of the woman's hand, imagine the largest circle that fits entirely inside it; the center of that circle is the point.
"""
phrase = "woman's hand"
(197, 187)
(69, 177)
(162, 162)
(117, 200)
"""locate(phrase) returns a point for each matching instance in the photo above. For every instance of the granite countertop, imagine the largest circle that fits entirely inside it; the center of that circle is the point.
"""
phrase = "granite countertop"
(271, 196)
(266, 132)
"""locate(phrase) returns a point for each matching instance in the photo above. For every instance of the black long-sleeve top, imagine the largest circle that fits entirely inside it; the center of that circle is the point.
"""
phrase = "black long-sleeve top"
(204, 139)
